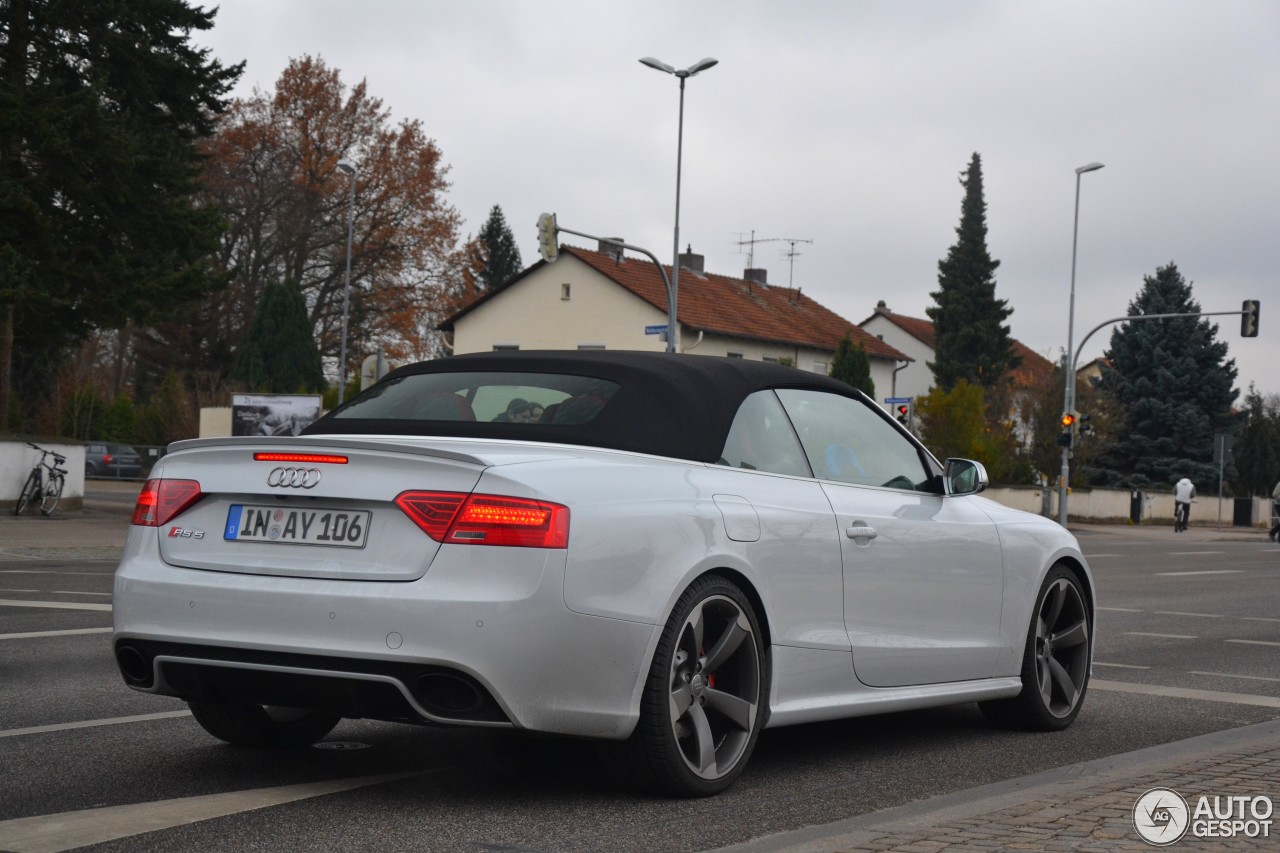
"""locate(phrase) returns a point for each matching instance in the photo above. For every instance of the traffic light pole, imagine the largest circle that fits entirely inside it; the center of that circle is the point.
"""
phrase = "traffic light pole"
(550, 224)
(1250, 309)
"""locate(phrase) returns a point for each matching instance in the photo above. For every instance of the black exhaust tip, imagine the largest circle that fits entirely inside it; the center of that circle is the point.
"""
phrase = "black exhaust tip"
(134, 666)
(448, 695)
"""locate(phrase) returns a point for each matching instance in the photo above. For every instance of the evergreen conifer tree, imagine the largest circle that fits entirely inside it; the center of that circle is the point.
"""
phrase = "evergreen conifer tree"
(502, 255)
(279, 355)
(972, 342)
(1257, 447)
(852, 366)
(1175, 383)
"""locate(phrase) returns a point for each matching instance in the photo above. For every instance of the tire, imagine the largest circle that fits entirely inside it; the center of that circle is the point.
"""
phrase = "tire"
(259, 726)
(52, 494)
(1055, 660)
(1275, 533)
(705, 697)
(28, 492)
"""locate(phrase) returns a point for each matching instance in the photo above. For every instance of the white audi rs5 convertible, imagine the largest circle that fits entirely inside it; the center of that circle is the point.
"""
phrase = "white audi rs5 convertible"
(667, 552)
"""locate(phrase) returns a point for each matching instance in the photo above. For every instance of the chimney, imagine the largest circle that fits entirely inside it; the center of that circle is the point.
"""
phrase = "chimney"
(881, 308)
(613, 250)
(758, 276)
(690, 261)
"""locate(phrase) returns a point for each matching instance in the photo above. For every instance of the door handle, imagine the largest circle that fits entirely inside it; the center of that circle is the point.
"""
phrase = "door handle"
(860, 531)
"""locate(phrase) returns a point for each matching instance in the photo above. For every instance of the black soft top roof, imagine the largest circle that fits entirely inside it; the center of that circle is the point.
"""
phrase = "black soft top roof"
(667, 404)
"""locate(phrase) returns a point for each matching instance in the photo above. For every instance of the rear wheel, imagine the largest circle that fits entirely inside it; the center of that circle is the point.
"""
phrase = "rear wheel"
(1055, 661)
(52, 493)
(262, 726)
(28, 492)
(704, 700)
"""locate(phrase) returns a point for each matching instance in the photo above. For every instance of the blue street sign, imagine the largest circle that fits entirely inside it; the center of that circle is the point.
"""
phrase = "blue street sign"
(656, 330)
(896, 400)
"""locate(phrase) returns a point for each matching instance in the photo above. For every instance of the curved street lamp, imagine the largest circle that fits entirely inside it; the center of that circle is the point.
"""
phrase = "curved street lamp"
(1068, 374)
(345, 165)
(682, 74)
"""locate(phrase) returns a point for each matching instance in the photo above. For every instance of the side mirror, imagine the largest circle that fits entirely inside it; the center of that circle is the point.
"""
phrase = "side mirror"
(964, 477)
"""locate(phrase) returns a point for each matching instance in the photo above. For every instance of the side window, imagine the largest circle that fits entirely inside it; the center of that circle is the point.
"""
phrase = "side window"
(845, 440)
(761, 439)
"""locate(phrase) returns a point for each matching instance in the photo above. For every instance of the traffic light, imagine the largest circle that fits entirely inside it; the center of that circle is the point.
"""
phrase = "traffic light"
(548, 245)
(904, 414)
(1085, 426)
(1068, 429)
(1249, 318)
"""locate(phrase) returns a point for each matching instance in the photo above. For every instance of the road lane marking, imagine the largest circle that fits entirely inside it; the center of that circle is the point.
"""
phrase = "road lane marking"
(50, 572)
(1253, 642)
(89, 724)
(1193, 553)
(1120, 665)
(19, 590)
(68, 830)
(1180, 613)
(1186, 693)
(1121, 609)
(1162, 636)
(55, 605)
(1231, 675)
(78, 592)
(1259, 619)
(1205, 572)
(71, 632)
(1092, 556)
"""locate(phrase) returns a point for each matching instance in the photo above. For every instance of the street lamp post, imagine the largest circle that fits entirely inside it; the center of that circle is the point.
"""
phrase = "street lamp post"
(682, 74)
(1068, 376)
(345, 165)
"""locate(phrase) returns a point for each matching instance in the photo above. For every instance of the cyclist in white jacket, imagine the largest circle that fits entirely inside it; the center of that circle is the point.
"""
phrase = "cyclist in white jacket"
(1183, 493)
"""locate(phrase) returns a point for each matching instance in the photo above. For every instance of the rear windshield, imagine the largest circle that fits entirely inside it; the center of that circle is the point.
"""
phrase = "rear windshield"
(516, 398)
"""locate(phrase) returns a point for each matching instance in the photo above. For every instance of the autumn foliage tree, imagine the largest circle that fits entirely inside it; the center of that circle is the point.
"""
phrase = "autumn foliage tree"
(273, 173)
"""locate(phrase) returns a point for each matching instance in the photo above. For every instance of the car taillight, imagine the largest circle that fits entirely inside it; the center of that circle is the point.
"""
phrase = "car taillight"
(106, 459)
(457, 518)
(161, 500)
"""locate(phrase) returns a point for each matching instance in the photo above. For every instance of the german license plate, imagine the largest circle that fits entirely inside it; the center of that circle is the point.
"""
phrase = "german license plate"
(347, 528)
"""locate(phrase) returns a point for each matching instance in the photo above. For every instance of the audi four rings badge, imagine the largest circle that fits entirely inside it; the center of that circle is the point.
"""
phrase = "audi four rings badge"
(294, 478)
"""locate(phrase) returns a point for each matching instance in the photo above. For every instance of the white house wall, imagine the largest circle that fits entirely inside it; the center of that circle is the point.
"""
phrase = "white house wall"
(916, 379)
(532, 314)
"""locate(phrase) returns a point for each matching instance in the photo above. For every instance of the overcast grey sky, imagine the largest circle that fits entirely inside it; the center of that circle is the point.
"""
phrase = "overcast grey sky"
(848, 124)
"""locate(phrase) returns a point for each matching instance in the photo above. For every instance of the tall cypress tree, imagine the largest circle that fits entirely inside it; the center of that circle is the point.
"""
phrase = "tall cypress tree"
(852, 366)
(971, 340)
(1257, 447)
(502, 255)
(279, 355)
(1176, 384)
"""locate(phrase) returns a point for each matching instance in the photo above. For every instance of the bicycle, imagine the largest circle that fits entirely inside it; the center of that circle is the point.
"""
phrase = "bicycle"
(44, 484)
(1180, 512)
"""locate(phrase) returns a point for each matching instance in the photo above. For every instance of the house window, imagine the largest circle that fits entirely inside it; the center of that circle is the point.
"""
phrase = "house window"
(499, 347)
(590, 346)
(734, 355)
(820, 367)
(564, 291)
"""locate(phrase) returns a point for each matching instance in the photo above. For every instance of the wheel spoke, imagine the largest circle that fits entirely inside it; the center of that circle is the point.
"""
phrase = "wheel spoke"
(703, 740)
(697, 626)
(738, 711)
(1065, 685)
(681, 699)
(727, 645)
(1073, 635)
(1055, 597)
(1045, 680)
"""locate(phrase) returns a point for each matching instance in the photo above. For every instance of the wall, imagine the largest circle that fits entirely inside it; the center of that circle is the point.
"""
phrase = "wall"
(16, 459)
(1112, 505)
(915, 379)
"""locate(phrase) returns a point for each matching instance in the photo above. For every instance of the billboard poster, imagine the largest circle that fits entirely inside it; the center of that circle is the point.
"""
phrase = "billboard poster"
(273, 414)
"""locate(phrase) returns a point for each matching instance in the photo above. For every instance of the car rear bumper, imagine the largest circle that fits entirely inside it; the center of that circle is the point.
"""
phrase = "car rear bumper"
(483, 638)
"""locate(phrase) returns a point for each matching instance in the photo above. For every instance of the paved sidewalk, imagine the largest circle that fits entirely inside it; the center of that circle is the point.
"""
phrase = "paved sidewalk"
(96, 531)
(1086, 807)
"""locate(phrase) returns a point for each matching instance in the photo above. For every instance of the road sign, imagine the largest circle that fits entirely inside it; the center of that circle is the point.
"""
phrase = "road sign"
(656, 330)
(895, 400)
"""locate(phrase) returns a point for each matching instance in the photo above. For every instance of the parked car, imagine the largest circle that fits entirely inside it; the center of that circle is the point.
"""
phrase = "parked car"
(111, 460)
(679, 552)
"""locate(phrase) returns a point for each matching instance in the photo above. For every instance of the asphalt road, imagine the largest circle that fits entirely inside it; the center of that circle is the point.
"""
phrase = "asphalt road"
(1188, 643)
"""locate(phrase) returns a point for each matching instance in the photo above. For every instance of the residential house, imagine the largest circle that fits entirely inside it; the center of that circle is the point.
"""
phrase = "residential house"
(601, 299)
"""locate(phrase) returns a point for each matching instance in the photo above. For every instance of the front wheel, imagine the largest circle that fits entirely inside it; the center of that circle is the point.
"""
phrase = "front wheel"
(704, 699)
(1055, 660)
(262, 726)
(52, 494)
(28, 492)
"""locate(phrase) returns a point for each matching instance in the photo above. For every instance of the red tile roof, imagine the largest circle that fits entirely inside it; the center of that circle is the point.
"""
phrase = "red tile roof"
(1034, 371)
(734, 307)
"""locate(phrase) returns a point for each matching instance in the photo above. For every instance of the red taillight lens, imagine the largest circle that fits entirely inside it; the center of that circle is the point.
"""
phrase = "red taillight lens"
(459, 519)
(161, 500)
(306, 458)
(106, 459)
